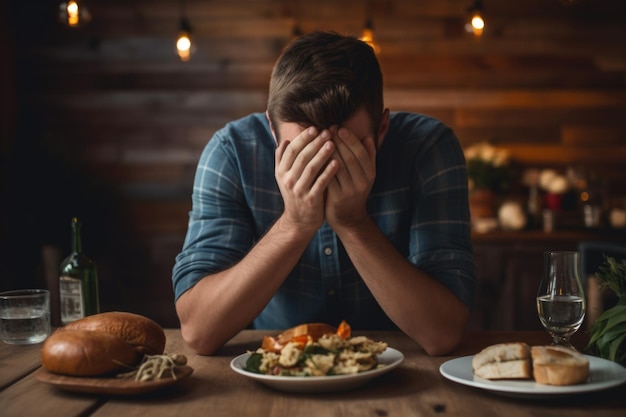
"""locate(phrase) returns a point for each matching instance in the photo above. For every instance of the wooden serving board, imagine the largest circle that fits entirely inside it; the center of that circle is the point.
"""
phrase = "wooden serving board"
(109, 385)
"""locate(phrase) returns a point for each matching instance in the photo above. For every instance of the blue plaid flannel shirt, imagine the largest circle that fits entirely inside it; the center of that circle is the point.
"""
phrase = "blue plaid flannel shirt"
(419, 201)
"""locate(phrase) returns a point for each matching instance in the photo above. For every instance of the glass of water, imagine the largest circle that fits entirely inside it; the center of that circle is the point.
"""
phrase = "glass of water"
(560, 298)
(24, 316)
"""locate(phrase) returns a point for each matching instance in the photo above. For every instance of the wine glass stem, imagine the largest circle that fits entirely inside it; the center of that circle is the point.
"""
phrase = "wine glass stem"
(562, 341)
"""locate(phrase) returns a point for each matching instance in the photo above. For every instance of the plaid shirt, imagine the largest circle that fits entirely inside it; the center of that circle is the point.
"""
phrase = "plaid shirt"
(418, 200)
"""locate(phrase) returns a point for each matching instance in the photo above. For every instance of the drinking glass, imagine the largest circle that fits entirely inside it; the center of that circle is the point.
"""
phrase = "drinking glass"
(24, 316)
(560, 298)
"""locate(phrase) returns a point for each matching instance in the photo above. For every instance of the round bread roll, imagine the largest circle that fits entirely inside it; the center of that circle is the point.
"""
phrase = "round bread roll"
(557, 365)
(87, 353)
(141, 332)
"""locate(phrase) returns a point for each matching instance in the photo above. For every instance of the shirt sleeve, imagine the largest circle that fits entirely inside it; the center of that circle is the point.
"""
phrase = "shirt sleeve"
(440, 231)
(218, 214)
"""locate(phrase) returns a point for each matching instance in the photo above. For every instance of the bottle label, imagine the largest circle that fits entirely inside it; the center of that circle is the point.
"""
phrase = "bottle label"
(71, 294)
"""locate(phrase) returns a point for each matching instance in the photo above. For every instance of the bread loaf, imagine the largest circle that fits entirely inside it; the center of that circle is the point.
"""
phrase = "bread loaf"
(503, 361)
(557, 365)
(141, 332)
(87, 353)
(102, 344)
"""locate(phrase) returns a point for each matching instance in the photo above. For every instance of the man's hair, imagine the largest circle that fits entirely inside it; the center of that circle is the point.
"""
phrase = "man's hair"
(322, 78)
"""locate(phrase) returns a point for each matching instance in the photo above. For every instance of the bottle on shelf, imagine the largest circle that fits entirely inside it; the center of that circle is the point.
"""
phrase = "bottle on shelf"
(78, 281)
(534, 208)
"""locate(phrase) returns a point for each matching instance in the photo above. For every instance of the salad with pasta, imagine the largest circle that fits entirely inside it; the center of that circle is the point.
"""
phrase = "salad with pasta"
(315, 350)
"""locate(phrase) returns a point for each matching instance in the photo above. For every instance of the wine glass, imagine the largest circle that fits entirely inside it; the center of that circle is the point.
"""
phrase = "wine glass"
(560, 298)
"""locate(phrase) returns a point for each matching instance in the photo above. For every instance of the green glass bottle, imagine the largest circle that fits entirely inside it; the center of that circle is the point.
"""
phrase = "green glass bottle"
(78, 281)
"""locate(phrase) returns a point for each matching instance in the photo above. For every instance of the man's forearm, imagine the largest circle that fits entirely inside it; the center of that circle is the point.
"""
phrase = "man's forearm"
(222, 304)
(422, 307)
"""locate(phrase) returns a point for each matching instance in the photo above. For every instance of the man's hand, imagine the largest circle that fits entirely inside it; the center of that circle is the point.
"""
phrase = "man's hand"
(303, 170)
(348, 191)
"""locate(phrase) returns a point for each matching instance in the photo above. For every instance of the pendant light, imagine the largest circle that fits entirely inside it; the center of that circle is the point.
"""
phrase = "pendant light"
(73, 15)
(476, 23)
(367, 35)
(184, 44)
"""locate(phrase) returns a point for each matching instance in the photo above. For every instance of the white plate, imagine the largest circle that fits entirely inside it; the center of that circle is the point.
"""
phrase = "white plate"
(391, 358)
(603, 374)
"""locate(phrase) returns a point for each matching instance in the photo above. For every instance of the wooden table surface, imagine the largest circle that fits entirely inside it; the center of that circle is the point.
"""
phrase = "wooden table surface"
(415, 388)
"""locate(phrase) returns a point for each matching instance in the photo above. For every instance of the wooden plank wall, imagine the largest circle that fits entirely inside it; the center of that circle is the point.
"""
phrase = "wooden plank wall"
(113, 123)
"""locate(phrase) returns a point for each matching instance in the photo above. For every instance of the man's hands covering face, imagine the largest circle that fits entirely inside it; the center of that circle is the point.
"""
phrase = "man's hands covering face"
(348, 191)
(325, 175)
(304, 169)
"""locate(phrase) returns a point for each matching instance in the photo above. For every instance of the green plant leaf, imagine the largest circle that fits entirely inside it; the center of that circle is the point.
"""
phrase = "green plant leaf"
(608, 332)
(597, 334)
(616, 330)
(599, 326)
(612, 274)
(605, 346)
(611, 318)
(616, 320)
(611, 312)
(615, 345)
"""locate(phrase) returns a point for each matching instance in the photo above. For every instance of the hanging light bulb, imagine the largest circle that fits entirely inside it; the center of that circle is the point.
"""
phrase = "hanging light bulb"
(73, 14)
(476, 24)
(184, 44)
(367, 35)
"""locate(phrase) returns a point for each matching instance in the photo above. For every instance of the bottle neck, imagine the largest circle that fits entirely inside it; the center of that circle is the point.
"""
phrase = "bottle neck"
(77, 244)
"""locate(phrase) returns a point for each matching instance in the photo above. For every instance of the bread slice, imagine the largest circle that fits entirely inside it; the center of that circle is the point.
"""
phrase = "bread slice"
(503, 361)
(515, 369)
(557, 365)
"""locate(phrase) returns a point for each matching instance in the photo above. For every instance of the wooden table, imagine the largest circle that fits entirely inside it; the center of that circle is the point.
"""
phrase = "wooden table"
(415, 388)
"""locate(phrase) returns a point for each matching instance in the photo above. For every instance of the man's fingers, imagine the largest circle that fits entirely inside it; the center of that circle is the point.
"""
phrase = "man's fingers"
(295, 147)
(302, 149)
(357, 156)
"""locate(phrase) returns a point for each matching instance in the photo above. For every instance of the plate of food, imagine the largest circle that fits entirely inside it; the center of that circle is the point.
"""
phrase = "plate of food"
(315, 358)
(516, 369)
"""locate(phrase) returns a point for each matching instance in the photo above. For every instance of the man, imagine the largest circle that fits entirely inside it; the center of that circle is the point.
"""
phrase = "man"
(326, 208)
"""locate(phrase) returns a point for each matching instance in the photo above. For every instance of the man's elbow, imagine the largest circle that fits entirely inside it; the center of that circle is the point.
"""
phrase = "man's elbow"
(444, 345)
(446, 338)
(199, 340)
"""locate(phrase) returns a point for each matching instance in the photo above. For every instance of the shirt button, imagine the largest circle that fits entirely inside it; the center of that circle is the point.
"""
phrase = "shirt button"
(328, 251)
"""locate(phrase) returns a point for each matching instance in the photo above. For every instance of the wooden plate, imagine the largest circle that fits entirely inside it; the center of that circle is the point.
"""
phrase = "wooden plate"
(110, 385)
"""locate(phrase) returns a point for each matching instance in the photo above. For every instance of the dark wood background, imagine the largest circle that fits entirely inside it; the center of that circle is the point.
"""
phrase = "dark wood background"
(105, 122)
